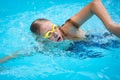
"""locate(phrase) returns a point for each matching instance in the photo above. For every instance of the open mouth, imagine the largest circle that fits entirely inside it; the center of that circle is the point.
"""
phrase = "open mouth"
(59, 39)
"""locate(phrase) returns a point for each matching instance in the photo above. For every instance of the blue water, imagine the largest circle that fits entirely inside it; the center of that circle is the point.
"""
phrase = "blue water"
(95, 59)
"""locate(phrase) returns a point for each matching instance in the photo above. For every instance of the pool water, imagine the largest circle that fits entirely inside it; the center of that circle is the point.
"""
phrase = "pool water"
(98, 58)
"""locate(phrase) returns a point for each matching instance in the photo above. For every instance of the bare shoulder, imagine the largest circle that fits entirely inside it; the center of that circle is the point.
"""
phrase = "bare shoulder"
(73, 33)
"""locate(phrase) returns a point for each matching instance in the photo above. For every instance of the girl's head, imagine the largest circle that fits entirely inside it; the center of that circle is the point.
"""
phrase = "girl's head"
(47, 29)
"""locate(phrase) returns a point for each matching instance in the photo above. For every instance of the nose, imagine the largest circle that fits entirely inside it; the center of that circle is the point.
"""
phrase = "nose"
(55, 35)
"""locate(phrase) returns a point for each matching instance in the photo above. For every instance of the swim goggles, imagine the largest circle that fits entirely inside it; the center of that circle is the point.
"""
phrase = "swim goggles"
(50, 33)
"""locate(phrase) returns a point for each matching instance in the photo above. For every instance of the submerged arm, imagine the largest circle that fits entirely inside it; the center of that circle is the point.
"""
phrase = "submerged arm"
(12, 56)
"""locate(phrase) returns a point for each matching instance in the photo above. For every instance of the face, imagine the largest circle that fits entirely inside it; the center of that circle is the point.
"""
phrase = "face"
(50, 31)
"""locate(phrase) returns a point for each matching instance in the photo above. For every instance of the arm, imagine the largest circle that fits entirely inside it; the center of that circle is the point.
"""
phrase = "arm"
(97, 8)
(14, 55)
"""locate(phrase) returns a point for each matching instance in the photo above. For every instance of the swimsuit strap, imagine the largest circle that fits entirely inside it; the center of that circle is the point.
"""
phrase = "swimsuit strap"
(73, 23)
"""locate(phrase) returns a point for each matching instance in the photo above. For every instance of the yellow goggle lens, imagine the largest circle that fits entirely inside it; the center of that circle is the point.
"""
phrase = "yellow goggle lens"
(50, 33)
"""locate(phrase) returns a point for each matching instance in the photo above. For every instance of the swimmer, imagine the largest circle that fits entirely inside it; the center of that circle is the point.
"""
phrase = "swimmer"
(71, 30)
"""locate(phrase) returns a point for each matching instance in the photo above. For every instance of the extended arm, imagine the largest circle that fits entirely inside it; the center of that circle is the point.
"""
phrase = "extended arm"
(12, 56)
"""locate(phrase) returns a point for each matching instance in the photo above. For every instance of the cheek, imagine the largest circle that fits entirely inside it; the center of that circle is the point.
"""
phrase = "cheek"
(52, 39)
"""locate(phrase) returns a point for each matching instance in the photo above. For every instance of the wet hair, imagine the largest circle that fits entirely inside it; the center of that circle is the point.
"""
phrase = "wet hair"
(36, 24)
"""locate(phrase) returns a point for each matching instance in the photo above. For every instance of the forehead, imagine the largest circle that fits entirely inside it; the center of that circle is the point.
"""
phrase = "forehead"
(46, 26)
